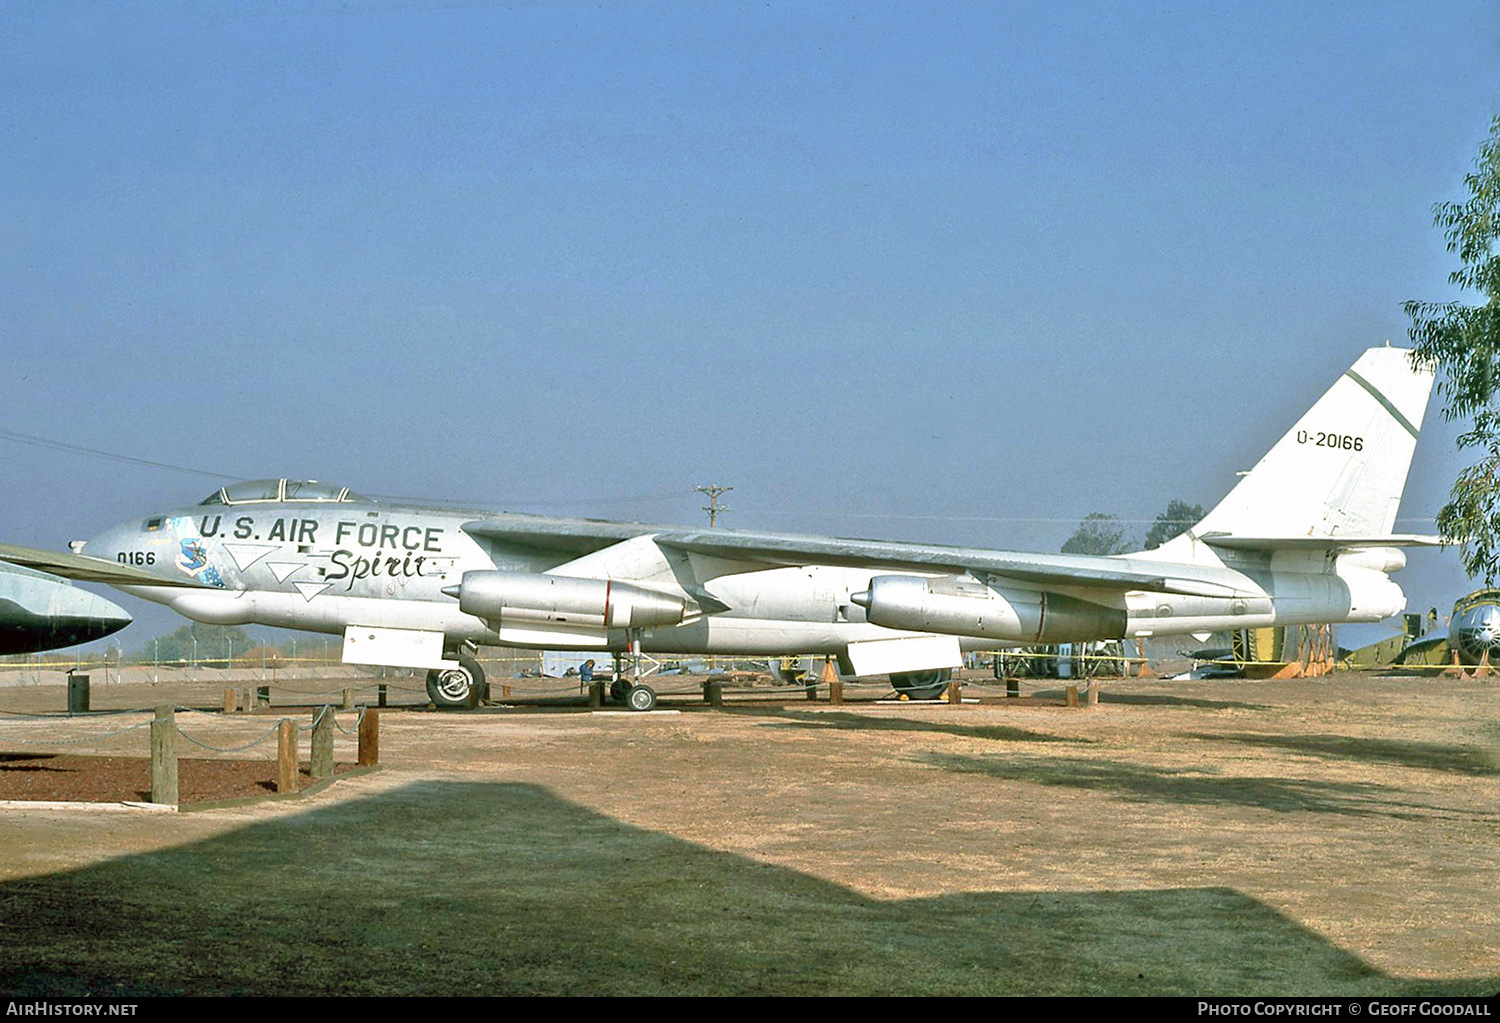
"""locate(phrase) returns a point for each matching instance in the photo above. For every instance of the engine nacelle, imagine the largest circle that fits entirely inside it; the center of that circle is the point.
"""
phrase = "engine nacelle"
(527, 596)
(962, 606)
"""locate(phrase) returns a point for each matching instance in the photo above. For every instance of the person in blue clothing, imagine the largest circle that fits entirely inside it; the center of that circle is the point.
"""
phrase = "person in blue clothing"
(586, 671)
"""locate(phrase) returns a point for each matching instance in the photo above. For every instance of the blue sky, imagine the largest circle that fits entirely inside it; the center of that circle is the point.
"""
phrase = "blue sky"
(948, 272)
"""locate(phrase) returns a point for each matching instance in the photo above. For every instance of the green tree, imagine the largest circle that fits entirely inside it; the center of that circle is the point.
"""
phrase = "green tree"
(215, 643)
(1463, 341)
(1098, 533)
(1178, 517)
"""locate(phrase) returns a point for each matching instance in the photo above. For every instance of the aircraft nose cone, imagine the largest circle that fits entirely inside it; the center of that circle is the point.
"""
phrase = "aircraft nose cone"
(41, 612)
(1478, 630)
(862, 598)
(78, 616)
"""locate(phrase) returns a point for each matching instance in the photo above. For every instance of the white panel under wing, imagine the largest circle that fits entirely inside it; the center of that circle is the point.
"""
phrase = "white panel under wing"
(401, 648)
(917, 653)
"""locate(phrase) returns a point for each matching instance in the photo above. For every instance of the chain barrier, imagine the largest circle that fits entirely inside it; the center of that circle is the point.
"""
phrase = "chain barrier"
(76, 742)
(229, 749)
(358, 720)
(180, 731)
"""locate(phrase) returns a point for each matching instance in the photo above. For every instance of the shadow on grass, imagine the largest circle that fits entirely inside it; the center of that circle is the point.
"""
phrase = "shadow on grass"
(1186, 786)
(1466, 760)
(876, 723)
(449, 888)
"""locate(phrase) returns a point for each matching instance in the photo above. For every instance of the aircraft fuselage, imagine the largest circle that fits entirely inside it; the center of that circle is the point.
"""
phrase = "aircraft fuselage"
(322, 567)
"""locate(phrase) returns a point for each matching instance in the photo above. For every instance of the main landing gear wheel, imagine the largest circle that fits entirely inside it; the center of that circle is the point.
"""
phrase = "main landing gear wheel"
(449, 688)
(922, 685)
(640, 698)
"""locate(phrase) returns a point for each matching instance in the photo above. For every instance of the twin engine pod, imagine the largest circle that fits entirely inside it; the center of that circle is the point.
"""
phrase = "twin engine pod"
(601, 603)
(964, 606)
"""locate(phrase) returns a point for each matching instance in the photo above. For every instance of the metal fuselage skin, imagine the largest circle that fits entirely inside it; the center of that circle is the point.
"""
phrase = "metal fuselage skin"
(323, 566)
(320, 567)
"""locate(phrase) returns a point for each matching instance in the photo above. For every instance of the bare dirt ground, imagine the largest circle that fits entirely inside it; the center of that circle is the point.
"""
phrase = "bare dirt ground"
(1326, 836)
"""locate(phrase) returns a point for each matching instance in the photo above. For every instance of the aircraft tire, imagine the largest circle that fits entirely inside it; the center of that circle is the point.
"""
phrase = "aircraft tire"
(618, 689)
(449, 688)
(641, 698)
(922, 685)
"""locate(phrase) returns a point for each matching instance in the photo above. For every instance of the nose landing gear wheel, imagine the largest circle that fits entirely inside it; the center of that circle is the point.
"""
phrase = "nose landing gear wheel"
(922, 685)
(640, 698)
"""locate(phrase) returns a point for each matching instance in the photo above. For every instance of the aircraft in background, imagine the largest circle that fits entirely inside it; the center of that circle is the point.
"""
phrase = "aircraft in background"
(1474, 630)
(1305, 537)
(39, 611)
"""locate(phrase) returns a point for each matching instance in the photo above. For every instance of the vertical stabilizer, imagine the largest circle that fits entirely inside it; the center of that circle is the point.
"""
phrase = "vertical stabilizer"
(1341, 469)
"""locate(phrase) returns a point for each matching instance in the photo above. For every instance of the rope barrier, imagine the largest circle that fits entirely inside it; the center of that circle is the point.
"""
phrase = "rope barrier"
(229, 749)
(76, 742)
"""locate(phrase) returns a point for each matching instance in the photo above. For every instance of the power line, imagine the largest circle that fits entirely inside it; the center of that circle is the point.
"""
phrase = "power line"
(57, 445)
(78, 449)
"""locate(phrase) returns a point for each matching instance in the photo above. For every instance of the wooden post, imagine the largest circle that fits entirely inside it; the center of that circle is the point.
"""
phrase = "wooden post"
(812, 690)
(164, 757)
(231, 701)
(263, 696)
(1093, 693)
(835, 691)
(369, 738)
(348, 699)
(286, 756)
(1072, 694)
(505, 692)
(953, 692)
(1012, 688)
(713, 693)
(380, 695)
(321, 757)
(596, 694)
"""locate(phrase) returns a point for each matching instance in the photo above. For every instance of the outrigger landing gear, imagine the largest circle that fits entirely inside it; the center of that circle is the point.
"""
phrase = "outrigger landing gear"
(450, 688)
(633, 694)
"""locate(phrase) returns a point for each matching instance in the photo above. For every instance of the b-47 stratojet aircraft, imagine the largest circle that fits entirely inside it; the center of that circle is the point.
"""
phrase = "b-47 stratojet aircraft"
(1305, 537)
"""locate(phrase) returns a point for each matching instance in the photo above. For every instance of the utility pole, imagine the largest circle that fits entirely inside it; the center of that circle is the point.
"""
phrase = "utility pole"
(713, 490)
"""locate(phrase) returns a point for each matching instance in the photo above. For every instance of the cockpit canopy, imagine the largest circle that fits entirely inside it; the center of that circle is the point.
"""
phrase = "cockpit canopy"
(265, 491)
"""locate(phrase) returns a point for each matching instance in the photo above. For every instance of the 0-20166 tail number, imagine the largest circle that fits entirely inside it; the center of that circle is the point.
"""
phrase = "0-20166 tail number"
(1344, 441)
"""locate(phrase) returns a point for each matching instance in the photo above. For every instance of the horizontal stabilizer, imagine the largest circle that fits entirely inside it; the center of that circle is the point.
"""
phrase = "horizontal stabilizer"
(1319, 543)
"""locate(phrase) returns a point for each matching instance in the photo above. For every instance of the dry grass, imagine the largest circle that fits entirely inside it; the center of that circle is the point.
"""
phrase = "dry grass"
(1334, 837)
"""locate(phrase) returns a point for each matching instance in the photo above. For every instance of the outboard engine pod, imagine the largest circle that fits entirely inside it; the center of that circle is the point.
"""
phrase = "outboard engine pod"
(607, 603)
(964, 606)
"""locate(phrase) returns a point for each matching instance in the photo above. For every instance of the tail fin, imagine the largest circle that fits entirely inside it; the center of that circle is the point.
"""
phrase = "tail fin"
(1341, 470)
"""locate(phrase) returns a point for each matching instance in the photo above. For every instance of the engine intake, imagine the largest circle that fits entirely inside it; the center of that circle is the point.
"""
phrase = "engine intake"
(963, 606)
(526, 596)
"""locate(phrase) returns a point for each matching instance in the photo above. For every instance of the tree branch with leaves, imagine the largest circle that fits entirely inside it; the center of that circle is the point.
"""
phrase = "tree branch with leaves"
(1463, 342)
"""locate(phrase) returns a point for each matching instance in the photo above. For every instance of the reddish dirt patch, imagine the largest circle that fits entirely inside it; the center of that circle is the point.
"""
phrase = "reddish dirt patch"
(69, 777)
